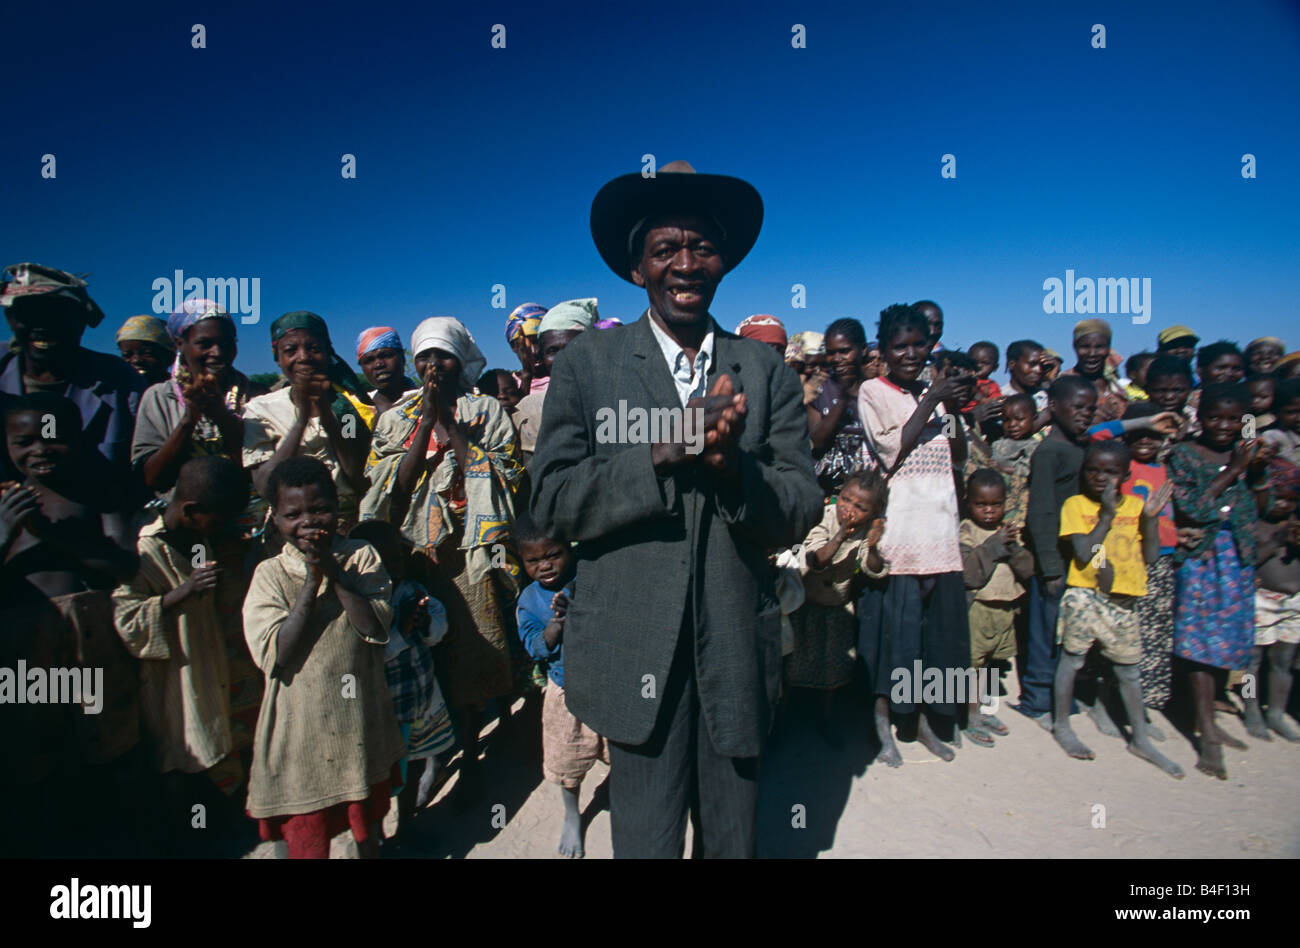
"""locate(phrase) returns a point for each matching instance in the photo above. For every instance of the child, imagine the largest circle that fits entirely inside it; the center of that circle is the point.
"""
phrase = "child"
(167, 616)
(382, 361)
(1111, 536)
(502, 386)
(63, 552)
(316, 619)
(1010, 455)
(1155, 610)
(419, 623)
(1169, 385)
(996, 567)
(830, 559)
(1262, 390)
(569, 747)
(1215, 478)
(1285, 434)
(1277, 605)
(920, 613)
(1136, 370)
(1025, 366)
(1053, 479)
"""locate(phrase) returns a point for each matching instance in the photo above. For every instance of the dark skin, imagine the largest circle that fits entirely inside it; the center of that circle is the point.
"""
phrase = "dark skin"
(1263, 359)
(1091, 351)
(1288, 415)
(1102, 476)
(188, 524)
(1026, 372)
(680, 268)
(1018, 420)
(1261, 395)
(525, 349)
(872, 364)
(934, 319)
(551, 564)
(1071, 418)
(148, 358)
(1228, 367)
(48, 334)
(857, 513)
(553, 342)
(1184, 348)
(1051, 368)
(439, 374)
(845, 361)
(508, 393)
(905, 354)
(49, 532)
(383, 370)
(304, 357)
(208, 350)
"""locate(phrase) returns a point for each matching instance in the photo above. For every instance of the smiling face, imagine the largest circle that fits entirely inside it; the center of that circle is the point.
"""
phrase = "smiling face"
(38, 447)
(680, 268)
(147, 358)
(1263, 358)
(383, 368)
(1221, 423)
(300, 354)
(445, 366)
(48, 332)
(905, 353)
(546, 562)
(302, 512)
(844, 359)
(1027, 369)
(1228, 367)
(1073, 414)
(1101, 468)
(987, 502)
(1092, 350)
(209, 346)
(1018, 420)
(1143, 445)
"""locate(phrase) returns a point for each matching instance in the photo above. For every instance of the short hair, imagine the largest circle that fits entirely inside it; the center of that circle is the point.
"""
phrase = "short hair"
(1288, 390)
(67, 416)
(956, 357)
(217, 484)
(1115, 446)
(898, 318)
(1021, 347)
(1144, 408)
(525, 530)
(1166, 366)
(919, 303)
(985, 344)
(1136, 361)
(869, 480)
(985, 477)
(1021, 398)
(1223, 393)
(1067, 385)
(488, 382)
(300, 471)
(850, 329)
(1254, 377)
(1207, 354)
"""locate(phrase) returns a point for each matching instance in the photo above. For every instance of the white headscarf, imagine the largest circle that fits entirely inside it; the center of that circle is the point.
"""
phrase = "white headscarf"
(450, 335)
(570, 315)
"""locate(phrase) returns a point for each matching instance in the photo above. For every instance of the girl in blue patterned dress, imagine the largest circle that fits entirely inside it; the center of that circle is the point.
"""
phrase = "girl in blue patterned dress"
(1215, 481)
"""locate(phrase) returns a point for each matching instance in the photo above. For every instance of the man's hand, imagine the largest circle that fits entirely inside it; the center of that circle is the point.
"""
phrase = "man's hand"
(724, 421)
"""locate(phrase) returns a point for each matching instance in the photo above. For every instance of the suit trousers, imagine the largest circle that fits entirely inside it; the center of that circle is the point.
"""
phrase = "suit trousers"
(653, 786)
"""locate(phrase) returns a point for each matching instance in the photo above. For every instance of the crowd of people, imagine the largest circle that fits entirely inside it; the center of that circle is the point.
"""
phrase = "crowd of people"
(304, 597)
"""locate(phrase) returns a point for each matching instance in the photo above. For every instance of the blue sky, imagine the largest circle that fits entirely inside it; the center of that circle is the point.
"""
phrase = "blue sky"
(476, 166)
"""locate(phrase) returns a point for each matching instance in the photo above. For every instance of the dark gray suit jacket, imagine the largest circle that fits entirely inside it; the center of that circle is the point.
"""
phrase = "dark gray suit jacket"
(651, 547)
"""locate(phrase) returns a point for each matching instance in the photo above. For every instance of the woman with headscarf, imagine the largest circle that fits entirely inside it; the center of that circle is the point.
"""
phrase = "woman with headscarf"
(321, 412)
(521, 334)
(383, 363)
(1092, 352)
(445, 467)
(766, 329)
(197, 412)
(147, 347)
(559, 327)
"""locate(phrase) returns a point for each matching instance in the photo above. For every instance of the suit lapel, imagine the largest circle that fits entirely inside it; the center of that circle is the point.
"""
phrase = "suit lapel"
(648, 362)
(726, 358)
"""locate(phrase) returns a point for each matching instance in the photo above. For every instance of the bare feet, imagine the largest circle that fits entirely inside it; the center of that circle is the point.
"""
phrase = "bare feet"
(1101, 717)
(1276, 718)
(1210, 760)
(931, 742)
(1065, 736)
(1255, 724)
(1149, 753)
(1227, 740)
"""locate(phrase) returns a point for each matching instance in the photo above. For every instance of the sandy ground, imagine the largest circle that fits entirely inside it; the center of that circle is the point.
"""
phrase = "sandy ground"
(1021, 798)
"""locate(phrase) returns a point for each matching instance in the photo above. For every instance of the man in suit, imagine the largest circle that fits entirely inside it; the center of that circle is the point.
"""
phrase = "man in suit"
(672, 639)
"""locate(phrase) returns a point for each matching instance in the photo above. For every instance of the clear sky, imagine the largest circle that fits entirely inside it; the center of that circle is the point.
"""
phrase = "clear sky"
(476, 166)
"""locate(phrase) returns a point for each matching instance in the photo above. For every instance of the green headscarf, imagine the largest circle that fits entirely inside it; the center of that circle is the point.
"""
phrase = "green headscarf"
(351, 398)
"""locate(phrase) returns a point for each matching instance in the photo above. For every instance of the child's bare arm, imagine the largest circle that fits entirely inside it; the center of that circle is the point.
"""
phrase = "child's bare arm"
(203, 578)
(360, 614)
(289, 638)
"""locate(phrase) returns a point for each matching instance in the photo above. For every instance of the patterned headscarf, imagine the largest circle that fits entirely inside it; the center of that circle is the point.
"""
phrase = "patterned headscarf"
(378, 337)
(764, 328)
(350, 396)
(805, 344)
(190, 312)
(149, 329)
(178, 324)
(450, 335)
(1263, 341)
(524, 320)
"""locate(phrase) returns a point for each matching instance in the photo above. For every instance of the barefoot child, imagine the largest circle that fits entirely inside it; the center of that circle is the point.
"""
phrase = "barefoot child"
(569, 747)
(1277, 605)
(1215, 478)
(419, 623)
(996, 568)
(833, 557)
(316, 619)
(1111, 537)
(167, 616)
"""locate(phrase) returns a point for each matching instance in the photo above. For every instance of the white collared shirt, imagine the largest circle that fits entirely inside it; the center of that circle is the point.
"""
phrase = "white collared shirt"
(691, 380)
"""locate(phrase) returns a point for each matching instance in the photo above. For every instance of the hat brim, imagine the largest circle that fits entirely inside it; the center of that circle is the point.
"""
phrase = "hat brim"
(628, 200)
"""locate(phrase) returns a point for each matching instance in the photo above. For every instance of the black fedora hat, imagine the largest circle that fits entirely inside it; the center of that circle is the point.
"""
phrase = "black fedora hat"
(623, 207)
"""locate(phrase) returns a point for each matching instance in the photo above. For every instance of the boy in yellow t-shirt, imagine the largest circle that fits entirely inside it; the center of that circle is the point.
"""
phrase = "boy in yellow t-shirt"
(1112, 537)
